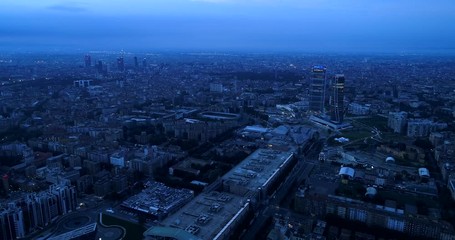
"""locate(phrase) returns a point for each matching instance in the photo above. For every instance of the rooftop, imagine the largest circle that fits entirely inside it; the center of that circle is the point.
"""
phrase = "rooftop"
(347, 171)
(220, 115)
(158, 199)
(170, 232)
(207, 215)
(258, 168)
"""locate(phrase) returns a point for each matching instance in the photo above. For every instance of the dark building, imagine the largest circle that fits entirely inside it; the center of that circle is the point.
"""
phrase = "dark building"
(144, 63)
(317, 89)
(136, 63)
(88, 61)
(99, 66)
(337, 98)
(11, 223)
(372, 215)
(120, 64)
(5, 183)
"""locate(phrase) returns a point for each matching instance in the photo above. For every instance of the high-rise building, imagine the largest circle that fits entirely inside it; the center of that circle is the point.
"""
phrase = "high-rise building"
(337, 98)
(317, 89)
(5, 183)
(40, 208)
(66, 198)
(88, 61)
(136, 63)
(397, 121)
(144, 63)
(99, 66)
(33, 214)
(120, 64)
(11, 222)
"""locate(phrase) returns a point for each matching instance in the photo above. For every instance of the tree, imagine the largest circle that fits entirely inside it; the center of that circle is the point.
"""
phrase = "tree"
(423, 143)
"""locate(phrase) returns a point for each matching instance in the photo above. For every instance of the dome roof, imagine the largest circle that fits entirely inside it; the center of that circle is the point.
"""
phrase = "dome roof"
(371, 191)
(390, 159)
(347, 171)
(423, 172)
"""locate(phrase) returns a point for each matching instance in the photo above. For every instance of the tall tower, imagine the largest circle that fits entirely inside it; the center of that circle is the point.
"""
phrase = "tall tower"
(120, 64)
(99, 66)
(337, 98)
(88, 61)
(317, 88)
(136, 63)
(144, 63)
(5, 183)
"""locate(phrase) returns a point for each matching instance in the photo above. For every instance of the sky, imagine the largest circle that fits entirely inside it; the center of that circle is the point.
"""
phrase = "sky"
(228, 25)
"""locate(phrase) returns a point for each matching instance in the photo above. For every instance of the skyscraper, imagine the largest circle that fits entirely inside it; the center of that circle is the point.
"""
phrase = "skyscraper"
(66, 198)
(5, 183)
(11, 222)
(136, 63)
(99, 66)
(337, 98)
(120, 64)
(88, 61)
(317, 89)
(144, 63)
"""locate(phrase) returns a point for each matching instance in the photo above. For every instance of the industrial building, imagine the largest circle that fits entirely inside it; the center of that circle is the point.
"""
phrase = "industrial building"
(328, 124)
(158, 200)
(212, 215)
(254, 176)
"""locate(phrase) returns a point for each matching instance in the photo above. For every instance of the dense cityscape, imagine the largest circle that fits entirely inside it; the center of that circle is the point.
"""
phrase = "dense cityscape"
(226, 145)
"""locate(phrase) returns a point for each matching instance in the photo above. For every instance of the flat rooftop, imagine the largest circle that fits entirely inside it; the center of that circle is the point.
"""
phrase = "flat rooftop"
(259, 168)
(158, 199)
(207, 214)
(220, 115)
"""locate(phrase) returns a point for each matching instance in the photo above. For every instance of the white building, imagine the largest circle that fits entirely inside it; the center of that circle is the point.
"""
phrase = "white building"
(397, 121)
(423, 127)
(117, 159)
(359, 109)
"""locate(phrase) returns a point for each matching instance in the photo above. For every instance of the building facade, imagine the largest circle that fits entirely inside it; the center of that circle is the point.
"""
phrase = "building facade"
(373, 215)
(317, 89)
(397, 121)
(337, 98)
(423, 127)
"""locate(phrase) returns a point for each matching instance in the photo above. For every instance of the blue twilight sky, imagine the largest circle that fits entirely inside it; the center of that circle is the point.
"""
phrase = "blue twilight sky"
(251, 25)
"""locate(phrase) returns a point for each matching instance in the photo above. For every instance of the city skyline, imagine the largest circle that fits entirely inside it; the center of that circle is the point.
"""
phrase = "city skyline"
(227, 119)
(228, 25)
(222, 146)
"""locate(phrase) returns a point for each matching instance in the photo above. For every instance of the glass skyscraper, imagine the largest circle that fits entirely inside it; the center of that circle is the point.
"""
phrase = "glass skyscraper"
(337, 98)
(317, 89)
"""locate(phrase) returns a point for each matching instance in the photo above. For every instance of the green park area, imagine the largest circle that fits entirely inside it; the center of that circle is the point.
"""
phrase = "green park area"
(376, 121)
(379, 123)
(355, 135)
(352, 135)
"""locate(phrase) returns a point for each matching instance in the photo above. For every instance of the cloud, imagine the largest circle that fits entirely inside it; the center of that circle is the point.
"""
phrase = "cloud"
(73, 7)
